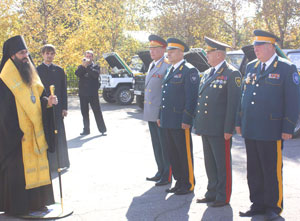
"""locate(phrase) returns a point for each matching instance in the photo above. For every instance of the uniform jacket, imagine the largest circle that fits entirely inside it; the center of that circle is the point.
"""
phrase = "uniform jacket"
(153, 90)
(270, 100)
(218, 100)
(88, 79)
(179, 96)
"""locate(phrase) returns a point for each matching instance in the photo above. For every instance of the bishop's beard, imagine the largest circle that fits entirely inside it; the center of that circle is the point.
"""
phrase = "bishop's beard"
(25, 70)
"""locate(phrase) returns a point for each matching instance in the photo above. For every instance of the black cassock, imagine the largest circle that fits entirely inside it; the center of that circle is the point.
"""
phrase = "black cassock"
(14, 198)
(55, 75)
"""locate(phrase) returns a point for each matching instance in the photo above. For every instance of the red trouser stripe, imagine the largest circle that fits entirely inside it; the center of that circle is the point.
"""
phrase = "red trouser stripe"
(228, 170)
(170, 174)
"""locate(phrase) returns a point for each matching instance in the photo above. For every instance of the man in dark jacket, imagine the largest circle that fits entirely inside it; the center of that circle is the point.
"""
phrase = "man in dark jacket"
(88, 74)
(52, 74)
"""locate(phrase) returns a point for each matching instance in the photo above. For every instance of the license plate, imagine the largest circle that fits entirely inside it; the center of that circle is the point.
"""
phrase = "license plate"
(138, 92)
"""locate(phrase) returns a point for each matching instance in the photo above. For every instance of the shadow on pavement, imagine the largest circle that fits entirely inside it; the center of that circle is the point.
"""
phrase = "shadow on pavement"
(80, 140)
(210, 213)
(137, 114)
(74, 104)
(155, 204)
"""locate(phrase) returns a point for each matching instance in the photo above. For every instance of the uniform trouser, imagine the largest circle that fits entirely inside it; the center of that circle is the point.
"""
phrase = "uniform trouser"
(95, 105)
(217, 158)
(264, 174)
(180, 151)
(160, 152)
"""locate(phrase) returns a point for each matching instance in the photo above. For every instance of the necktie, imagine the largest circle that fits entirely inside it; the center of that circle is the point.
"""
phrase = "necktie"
(153, 65)
(171, 70)
(263, 68)
(212, 72)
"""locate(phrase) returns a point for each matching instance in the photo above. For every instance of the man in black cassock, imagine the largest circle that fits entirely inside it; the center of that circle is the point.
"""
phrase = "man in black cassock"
(26, 130)
(88, 73)
(52, 74)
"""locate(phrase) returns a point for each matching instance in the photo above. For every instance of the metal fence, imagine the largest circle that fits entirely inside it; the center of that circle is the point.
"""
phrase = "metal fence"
(72, 79)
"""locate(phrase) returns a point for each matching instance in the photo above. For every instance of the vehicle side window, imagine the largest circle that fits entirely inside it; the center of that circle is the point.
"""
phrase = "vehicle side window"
(295, 58)
(235, 60)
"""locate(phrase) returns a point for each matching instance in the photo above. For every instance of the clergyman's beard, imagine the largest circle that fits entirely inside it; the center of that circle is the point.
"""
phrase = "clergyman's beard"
(25, 70)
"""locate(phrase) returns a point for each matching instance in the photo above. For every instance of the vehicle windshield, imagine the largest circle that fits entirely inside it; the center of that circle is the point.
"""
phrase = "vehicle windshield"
(295, 58)
(136, 63)
(235, 59)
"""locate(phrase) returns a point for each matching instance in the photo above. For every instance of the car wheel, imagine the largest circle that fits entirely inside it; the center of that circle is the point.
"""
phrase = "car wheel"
(123, 95)
(297, 129)
(140, 101)
(108, 97)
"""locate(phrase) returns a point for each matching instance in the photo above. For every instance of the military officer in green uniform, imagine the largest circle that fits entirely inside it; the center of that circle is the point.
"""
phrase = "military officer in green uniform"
(179, 98)
(218, 99)
(268, 114)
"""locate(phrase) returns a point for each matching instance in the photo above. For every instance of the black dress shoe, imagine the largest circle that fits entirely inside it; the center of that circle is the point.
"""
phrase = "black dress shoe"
(85, 133)
(183, 191)
(270, 215)
(251, 213)
(205, 200)
(155, 178)
(172, 190)
(218, 204)
(162, 183)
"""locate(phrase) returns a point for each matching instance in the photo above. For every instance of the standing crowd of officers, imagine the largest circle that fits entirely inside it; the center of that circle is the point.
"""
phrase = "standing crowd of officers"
(263, 107)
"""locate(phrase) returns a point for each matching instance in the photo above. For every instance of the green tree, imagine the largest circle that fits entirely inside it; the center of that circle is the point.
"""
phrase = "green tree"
(281, 17)
(9, 21)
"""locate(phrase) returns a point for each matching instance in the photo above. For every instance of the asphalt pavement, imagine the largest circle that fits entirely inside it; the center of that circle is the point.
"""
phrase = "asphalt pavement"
(107, 177)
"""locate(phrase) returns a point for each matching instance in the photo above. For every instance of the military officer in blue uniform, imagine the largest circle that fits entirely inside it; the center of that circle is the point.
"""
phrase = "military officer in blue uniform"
(153, 90)
(218, 99)
(179, 98)
(267, 116)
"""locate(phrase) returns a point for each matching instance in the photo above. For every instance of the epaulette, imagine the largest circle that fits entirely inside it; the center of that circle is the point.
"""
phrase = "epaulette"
(220, 71)
(257, 63)
(159, 64)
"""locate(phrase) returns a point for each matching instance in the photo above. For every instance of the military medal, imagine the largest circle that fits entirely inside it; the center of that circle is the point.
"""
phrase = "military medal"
(32, 97)
(215, 86)
(220, 86)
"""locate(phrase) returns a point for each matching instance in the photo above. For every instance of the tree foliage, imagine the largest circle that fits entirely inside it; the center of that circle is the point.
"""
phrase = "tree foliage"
(227, 20)
(73, 26)
(282, 17)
